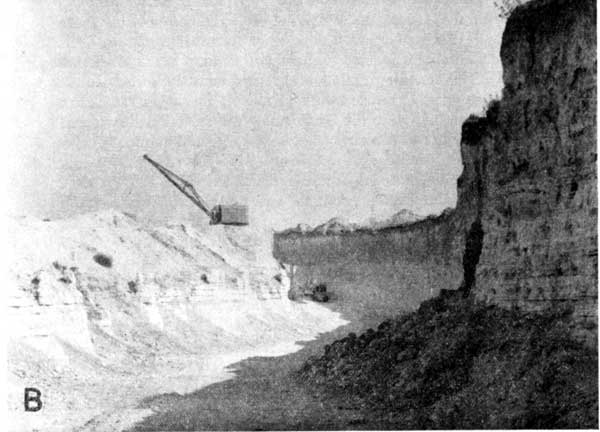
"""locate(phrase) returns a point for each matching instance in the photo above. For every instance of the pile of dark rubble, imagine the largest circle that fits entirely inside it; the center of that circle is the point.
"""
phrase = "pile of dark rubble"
(457, 364)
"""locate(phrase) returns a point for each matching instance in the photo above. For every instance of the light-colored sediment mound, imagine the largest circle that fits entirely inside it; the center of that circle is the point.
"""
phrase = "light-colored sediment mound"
(105, 310)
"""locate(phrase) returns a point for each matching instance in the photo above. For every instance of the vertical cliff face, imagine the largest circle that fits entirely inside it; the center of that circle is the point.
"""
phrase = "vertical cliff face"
(374, 274)
(530, 165)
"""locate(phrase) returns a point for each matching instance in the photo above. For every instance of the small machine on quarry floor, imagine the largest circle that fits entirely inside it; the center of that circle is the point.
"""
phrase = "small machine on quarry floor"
(310, 289)
(317, 293)
(231, 214)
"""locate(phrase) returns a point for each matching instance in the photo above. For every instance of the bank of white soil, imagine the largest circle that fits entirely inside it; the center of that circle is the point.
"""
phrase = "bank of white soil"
(105, 310)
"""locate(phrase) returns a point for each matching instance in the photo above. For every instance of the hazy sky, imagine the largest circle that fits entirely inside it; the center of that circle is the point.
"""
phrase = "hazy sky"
(305, 110)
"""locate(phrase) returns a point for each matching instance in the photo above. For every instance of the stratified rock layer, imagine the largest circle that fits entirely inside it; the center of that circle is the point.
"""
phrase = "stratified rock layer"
(536, 151)
(524, 231)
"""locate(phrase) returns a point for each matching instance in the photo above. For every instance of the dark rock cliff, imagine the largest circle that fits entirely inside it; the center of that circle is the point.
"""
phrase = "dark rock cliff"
(524, 230)
(530, 165)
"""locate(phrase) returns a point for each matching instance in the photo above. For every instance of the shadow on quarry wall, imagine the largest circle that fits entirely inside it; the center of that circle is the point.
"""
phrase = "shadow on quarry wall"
(471, 256)
(374, 275)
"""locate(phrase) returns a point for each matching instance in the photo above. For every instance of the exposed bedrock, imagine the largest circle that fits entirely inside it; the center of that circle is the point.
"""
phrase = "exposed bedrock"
(524, 230)
(538, 163)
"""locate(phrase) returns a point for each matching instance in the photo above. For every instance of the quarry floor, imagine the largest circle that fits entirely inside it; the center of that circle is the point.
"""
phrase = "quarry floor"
(264, 395)
(255, 393)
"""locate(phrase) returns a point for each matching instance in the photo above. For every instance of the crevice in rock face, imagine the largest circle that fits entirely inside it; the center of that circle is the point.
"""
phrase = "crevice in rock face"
(473, 245)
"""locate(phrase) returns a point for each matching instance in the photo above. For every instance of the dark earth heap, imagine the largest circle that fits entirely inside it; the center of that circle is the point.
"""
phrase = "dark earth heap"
(459, 364)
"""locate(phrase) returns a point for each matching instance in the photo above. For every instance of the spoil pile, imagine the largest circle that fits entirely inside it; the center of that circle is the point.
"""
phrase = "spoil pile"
(458, 364)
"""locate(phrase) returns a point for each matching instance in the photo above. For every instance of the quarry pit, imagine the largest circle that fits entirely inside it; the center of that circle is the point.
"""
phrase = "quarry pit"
(192, 327)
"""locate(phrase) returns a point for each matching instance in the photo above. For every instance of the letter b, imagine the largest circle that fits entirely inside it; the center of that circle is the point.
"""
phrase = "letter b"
(33, 399)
